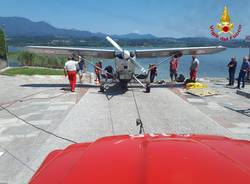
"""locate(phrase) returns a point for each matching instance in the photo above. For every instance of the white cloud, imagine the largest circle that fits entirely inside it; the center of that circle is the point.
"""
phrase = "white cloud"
(136, 31)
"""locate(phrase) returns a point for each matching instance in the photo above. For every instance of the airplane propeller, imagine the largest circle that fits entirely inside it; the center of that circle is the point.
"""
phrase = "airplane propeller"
(114, 44)
(126, 53)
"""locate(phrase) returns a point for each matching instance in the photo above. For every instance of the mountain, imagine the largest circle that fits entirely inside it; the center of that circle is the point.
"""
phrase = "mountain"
(134, 36)
(18, 26)
(22, 27)
(21, 32)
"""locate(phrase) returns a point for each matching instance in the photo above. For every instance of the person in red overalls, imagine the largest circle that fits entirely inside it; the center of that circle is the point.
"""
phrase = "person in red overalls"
(98, 71)
(194, 68)
(173, 67)
(70, 70)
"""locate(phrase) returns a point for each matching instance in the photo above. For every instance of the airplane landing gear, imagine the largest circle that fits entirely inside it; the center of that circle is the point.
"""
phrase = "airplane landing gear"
(124, 85)
(147, 88)
(102, 88)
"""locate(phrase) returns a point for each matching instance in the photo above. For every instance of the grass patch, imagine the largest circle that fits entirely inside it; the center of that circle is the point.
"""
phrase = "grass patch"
(25, 58)
(13, 55)
(31, 71)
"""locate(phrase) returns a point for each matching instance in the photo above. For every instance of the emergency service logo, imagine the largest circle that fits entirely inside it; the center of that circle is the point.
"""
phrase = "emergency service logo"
(224, 29)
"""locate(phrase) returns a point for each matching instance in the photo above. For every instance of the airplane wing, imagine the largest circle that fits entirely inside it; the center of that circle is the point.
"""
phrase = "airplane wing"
(110, 54)
(152, 53)
(88, 52)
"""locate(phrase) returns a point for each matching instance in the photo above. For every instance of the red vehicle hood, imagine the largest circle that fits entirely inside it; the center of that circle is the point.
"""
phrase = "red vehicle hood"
(150, 159)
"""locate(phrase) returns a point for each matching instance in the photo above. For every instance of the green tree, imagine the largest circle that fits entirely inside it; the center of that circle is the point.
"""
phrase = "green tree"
(3, 50)
(26, 58)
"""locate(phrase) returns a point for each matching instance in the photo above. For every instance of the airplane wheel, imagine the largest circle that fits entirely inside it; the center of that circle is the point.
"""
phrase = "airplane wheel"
(102, 88)
(124, 86)
(147, 88)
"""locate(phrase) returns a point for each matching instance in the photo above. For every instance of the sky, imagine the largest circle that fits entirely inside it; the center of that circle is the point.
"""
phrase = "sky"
(162, 18)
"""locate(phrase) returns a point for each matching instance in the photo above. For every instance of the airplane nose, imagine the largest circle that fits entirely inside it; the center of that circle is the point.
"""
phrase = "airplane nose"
(126, 54)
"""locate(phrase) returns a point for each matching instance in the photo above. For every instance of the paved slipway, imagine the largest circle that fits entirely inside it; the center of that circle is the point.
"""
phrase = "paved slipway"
(88, 115)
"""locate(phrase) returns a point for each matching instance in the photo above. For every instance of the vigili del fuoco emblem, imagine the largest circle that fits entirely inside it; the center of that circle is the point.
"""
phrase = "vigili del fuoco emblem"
(224, 29)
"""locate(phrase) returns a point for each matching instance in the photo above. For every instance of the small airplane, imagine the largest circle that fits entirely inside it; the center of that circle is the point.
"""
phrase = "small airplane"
(126, 65)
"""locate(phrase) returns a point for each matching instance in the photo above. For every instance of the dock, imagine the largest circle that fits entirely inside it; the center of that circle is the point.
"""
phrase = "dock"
(39, 114)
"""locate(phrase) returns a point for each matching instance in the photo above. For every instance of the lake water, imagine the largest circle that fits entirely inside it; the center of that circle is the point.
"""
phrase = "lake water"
(214, 65)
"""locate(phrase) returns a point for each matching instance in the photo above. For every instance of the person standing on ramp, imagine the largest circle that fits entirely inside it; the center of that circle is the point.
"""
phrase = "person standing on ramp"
(231, 70)
(70, 70)
(194, 68)
(173, 68)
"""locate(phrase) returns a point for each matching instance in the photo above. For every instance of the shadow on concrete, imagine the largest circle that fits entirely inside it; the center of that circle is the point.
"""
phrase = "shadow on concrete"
(114, 90)
(155, 85)
(59, 85)
(168, 85)
(245, 112)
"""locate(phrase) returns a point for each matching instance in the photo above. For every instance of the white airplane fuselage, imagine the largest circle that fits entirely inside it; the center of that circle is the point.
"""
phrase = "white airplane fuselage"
(125, 68)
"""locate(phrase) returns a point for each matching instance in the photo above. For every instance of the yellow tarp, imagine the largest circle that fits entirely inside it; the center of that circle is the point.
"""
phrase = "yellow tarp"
(196, 85)
(202, 92)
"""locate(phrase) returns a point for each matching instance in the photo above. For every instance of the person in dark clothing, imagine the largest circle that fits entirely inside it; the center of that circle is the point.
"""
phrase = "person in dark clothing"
(231, 70)
(109, 72)
(81, 67)
(245, 67)
(152, 68)
(248, 73)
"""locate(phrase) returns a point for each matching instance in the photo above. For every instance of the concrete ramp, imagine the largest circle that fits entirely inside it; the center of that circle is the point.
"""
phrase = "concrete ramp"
(161, 111)
(97, 115)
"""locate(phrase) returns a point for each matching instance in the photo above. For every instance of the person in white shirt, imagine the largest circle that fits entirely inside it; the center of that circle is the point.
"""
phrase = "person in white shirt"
(70, 70)
(194, 68)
